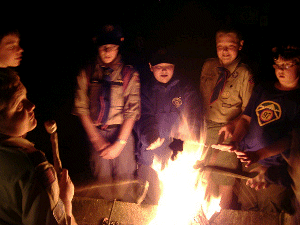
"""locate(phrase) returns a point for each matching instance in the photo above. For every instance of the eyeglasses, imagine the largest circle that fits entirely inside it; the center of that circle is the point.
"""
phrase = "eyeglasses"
(284, 66)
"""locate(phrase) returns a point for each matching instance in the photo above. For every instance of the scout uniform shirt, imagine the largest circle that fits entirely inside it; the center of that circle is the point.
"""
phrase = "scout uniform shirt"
(124, 101)
(235, 95)
(28, 186)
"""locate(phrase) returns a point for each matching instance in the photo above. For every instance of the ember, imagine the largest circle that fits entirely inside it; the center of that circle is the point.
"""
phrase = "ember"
(183, 190)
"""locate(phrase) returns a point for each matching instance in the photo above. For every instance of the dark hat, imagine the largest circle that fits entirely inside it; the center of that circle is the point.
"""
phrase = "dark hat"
(162, 56)
(109, 34)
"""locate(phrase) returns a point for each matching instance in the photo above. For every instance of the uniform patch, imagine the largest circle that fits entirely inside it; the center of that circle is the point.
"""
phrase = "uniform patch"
(225, 94)
(48, 177)
(267, 112)
(235, 74)
(177, 102)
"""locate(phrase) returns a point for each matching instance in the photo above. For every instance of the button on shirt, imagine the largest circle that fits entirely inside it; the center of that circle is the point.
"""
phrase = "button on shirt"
(235, 95)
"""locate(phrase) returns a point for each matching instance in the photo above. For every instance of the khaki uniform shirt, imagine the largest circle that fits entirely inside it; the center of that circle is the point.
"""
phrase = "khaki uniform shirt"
(123, 104)
(235, 96)
(28, 186)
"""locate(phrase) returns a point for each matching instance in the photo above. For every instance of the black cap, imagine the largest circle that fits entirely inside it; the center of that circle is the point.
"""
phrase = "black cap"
(162, 56)
(109, 34)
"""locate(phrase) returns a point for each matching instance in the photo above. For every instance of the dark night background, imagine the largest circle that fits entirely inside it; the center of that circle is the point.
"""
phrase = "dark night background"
(57, 41)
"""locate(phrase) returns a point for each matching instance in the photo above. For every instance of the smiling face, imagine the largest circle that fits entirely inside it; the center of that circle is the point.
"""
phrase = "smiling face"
(10, 51)
(228, 46)
(18, 118)
(163, 72)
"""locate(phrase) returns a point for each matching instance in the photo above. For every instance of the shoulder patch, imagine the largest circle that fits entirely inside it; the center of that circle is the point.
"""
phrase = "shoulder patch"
(267, 112)
(46, 174)
(48, 177)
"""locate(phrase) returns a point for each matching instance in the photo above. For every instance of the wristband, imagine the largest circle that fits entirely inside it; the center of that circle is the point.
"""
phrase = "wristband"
(121, 141)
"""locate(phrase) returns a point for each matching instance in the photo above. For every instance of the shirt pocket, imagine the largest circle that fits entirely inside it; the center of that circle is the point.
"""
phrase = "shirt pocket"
(116, 96)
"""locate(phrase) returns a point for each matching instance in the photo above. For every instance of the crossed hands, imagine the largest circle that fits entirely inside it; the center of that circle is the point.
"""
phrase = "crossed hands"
(106, 149)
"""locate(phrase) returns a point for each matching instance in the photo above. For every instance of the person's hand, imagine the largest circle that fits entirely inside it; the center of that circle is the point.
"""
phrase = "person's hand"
(227, 130)
(112, 151)
(99, 143)
(247, 157)
(66, 186)
(66, 192)
(156, 144)
(259, 182)
(231, 147)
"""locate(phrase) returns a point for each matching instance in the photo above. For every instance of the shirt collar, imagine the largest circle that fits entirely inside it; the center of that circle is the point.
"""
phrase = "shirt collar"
(232, 67)
(168, 86)
(116, 67)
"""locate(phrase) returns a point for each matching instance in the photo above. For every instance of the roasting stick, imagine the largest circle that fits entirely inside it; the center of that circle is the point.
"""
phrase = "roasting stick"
(51, 128)
(224, 171)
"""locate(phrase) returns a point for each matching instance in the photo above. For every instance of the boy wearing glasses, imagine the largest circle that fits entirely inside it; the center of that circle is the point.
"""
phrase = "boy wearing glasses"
(107, 101)
(264, 132)
(226, 85)
(167, 102)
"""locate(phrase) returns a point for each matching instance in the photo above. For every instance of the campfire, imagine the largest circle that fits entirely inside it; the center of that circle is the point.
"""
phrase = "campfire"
(183, 200)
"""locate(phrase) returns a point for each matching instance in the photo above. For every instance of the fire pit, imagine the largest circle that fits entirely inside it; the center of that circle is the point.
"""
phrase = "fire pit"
(89, 211)
(182, 201)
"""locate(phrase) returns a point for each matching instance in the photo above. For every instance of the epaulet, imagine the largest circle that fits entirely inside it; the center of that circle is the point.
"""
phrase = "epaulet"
(35, 156)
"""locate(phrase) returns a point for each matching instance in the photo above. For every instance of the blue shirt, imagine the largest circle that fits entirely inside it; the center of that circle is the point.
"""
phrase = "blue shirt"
(274, 113)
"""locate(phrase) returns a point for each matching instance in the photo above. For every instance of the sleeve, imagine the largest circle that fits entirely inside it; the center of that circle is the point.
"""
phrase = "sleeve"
(250, 108)
(40, 198)
(81, 101)
(132, 103)
(36, 207)
(247, 88)
(206, 83)
(147, 126)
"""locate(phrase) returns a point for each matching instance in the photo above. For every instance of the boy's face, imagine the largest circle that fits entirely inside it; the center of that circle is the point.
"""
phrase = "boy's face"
(162, 72)
(10, 51)
(228, 46)
(287, 71)
(108, 53)
(18, 118)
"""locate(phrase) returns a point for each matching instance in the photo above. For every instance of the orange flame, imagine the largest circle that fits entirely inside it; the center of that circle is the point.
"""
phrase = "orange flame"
(183, 189)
